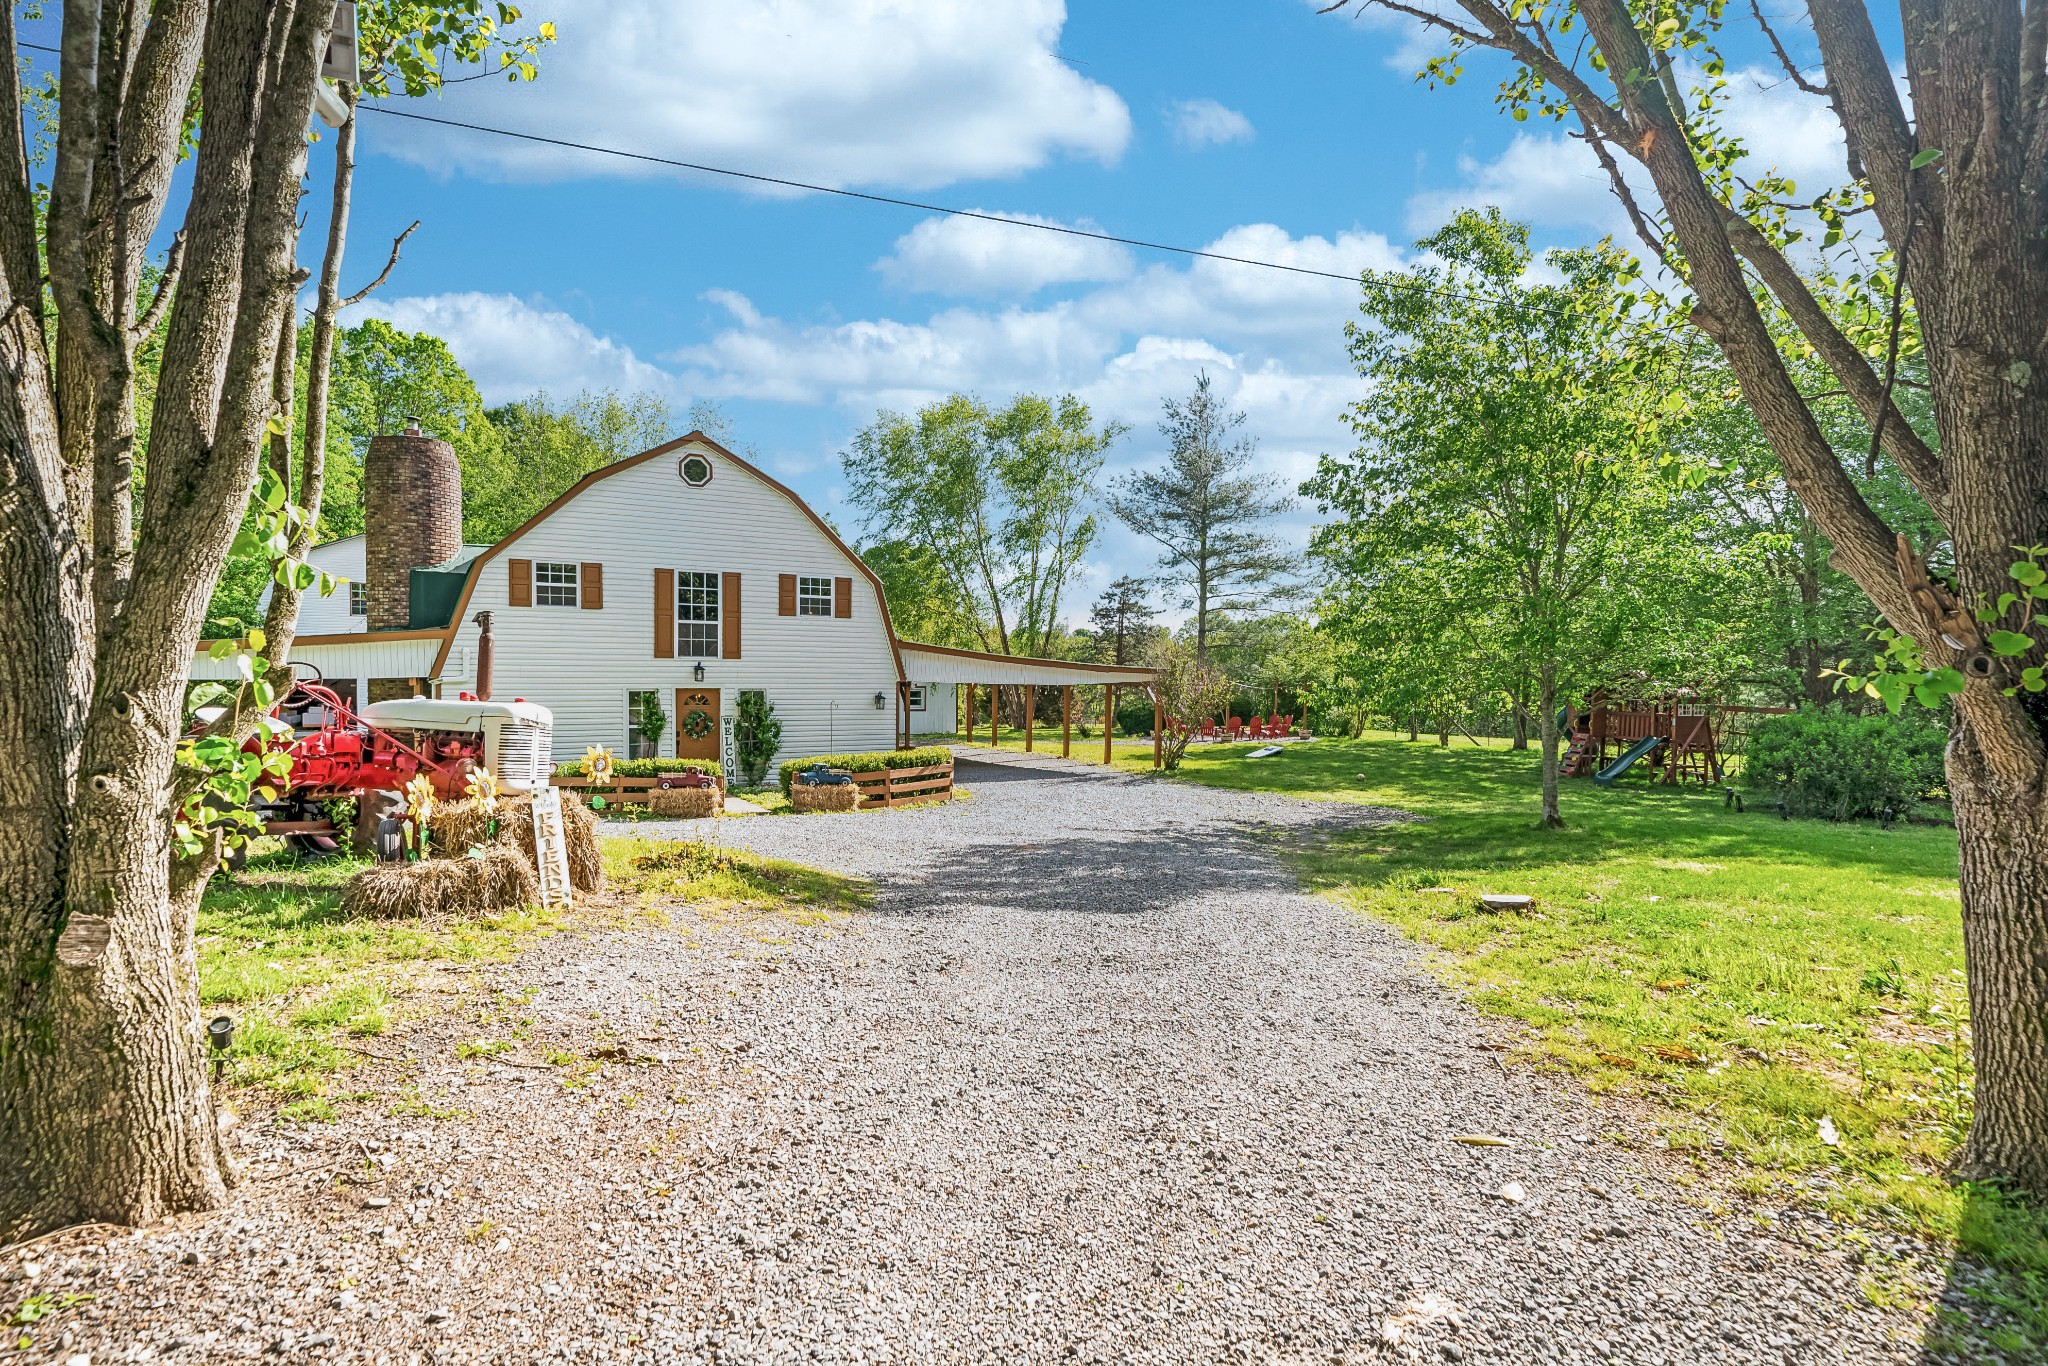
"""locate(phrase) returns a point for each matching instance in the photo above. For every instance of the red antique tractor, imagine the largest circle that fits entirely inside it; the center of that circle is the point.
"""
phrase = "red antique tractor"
(371, 755)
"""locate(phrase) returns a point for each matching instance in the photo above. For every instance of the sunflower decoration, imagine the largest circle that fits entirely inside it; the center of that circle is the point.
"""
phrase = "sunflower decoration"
(419, 809)
(482, 789)
(597, 764)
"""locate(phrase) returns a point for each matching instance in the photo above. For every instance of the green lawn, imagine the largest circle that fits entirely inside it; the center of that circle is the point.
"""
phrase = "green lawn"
(1751, 977)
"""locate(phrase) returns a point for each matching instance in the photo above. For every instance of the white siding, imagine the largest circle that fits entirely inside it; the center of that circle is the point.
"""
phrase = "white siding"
(373, 658)
(820, 673)
(329, 616)
(941, 714)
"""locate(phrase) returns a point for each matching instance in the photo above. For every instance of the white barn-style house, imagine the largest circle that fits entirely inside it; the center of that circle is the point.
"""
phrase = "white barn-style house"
(669, 582)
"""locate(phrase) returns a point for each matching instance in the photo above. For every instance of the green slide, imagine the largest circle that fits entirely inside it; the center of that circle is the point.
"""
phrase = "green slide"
(1606, 776)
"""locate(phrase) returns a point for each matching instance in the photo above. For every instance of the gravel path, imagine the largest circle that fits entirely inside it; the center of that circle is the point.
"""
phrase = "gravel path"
(1093, 1082)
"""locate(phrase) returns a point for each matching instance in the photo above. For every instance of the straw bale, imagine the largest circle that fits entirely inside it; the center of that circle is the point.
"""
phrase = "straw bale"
(458, 826)
(497, 879)
(684, 803)
(579, 826)
(821, 797)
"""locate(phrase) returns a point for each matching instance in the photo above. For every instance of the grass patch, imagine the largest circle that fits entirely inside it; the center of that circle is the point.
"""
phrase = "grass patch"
(719, 879)
(1751, 976)
(302, 979)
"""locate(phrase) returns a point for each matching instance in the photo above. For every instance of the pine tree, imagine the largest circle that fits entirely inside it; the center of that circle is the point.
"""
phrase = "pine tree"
(1204, 507)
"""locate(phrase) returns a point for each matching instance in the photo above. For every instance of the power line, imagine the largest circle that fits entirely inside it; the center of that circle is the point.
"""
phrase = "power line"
(919, 205)
(1365, 278)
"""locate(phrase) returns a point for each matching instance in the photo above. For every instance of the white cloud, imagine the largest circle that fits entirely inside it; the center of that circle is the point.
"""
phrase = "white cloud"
(1232, 310)
(912, 93)
(1205, 123)
(976, 257)
(512, 347)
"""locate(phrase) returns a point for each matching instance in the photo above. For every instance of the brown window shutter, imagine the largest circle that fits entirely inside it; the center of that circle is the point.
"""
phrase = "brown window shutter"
(664, 614)
(522, 583)
(729, 615)
(785, 595)
(842, 597)
(591, 577)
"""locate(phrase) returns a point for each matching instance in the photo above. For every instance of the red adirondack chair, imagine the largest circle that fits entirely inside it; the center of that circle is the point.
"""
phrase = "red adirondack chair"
(1258, 728)
(1208, 729)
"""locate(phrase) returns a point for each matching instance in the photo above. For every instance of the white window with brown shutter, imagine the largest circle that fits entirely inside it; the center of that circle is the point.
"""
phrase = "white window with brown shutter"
(555, 583)
(519, 574)
(814, 596)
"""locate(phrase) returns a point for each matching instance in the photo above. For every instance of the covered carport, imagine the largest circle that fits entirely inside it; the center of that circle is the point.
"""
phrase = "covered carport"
(975, 669)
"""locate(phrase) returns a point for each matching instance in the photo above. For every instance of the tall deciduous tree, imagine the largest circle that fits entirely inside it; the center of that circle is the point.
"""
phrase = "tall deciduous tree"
(1207, 510)
(1502, 448)
(996, 501)
(1953, 162)
(104, 1105)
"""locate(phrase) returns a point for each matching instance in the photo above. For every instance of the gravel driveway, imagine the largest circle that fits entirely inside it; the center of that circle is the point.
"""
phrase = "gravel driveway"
(1092, 1082)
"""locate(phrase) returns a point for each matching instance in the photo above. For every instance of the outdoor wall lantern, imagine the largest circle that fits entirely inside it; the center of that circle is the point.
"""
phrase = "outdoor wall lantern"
(698, 672)
(879, 702)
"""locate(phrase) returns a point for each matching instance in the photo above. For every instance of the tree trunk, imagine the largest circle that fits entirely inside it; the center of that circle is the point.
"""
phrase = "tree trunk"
(2003, 843)
(1521, 733)
(105, 1111)
(1413, 733)
(1443, 731)
(1546, 727)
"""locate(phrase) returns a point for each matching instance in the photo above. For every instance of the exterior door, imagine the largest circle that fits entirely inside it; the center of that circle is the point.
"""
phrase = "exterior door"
(696, 724)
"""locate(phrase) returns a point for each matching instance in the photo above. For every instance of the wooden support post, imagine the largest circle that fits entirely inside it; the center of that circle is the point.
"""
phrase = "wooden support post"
(995, 715)
(1067, 721)
(970, 713)
(1030, 713)
(1108, 724)
(1158, 730)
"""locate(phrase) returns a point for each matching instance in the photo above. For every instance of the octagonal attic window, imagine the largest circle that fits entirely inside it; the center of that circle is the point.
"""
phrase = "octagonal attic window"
(696, 471)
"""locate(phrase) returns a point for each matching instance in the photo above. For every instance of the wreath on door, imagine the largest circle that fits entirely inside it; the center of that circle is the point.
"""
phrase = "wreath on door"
(697, 724)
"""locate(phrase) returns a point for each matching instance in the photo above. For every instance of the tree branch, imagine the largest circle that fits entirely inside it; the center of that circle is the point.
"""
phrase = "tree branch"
(166, 287)
(384, 274)
(1785, 58)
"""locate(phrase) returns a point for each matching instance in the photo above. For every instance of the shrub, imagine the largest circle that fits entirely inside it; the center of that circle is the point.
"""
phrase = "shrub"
(760, 735)
(1832, 765)
(643, 768)
(1134, 713)
(868, 763)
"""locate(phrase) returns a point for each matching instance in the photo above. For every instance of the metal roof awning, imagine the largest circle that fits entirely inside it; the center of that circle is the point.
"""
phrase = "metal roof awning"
(941, 664)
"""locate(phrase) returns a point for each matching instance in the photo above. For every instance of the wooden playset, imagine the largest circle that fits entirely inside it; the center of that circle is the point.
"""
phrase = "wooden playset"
(1675, 732)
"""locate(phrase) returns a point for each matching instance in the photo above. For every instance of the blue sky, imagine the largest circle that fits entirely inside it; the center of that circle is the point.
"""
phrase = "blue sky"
(1255, 127)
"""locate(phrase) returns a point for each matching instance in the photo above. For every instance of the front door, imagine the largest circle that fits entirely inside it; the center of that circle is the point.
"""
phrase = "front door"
(697, 724)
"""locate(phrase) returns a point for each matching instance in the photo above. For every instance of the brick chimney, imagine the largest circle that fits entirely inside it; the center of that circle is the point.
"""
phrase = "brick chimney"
(412, 516)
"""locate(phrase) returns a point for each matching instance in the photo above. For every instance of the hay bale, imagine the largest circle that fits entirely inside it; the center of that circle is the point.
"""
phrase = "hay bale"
(459, 826)
(499, 878)
(805, 797)
(579, 827)
(684, 803)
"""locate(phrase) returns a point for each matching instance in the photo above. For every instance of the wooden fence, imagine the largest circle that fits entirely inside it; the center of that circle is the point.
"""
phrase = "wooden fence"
(885, 788)
(629, 791)
(894, 787)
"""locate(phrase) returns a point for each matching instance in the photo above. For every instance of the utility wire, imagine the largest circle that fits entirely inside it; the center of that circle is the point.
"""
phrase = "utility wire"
(1365, 277)
(760, 179)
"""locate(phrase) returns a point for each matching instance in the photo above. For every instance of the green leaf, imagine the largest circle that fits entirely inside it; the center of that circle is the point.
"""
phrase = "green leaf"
(1892, 689)
(2027, 572)
(1927, 156)
(2009, 643)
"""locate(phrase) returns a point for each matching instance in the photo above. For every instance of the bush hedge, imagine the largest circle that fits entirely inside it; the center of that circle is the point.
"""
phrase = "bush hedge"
(868, 763)
(643, 768)
(1830, 764)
